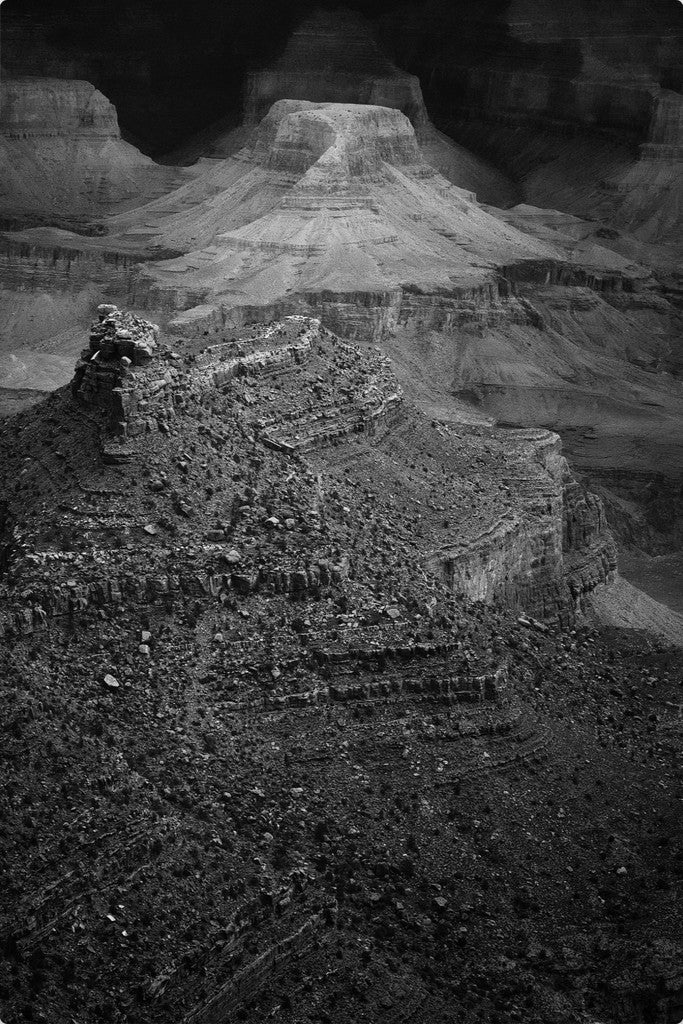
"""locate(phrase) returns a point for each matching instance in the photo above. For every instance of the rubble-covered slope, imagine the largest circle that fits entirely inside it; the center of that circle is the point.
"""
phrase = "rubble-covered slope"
(287, 393)
(273, 747)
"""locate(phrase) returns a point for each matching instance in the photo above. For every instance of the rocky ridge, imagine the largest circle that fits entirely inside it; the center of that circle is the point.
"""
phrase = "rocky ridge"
(508, 310)
(270, 647)
(535, 540)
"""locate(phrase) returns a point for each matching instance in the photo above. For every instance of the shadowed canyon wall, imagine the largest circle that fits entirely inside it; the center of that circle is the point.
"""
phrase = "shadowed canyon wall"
(584, 64)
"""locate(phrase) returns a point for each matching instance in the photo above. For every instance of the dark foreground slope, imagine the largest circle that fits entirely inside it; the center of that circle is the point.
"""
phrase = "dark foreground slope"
(273, 749)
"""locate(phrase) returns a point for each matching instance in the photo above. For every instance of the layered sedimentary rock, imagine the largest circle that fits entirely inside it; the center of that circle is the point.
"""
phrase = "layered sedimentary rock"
(64, 164)
(344, 199)
(535, 541)
(332, 213)
(635, 189)
(561, 99)
(332, 57)
(64, 161)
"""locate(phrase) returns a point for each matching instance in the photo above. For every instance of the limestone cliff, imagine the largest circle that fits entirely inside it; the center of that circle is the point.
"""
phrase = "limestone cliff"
(64, 161)
(332, 57)
(532, 538)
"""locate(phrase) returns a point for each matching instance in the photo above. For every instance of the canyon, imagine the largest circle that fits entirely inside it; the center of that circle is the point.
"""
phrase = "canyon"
(334, 436)
(530, 316)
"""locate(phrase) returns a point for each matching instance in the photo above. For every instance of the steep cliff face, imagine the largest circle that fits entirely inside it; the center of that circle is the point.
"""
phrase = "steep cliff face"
(64, 161)
(332, 57)
(550, 560)
(532, 539)
(344, 186)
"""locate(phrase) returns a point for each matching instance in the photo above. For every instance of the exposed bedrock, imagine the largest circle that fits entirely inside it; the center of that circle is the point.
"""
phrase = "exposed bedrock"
(332, 198)
(49, 107)
(354, 139)
(64, 161)
(36, 260)
(536, 542)
(549, 561)
(332, 57)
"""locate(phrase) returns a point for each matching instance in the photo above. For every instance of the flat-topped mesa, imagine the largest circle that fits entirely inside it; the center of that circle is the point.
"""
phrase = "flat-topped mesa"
(332, 57)
(51, 107)
(353, 140)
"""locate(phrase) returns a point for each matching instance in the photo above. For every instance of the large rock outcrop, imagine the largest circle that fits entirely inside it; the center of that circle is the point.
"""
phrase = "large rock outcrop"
(505, 521)
(331, 211)
(64, 161)
(332, 57)
(343, 185)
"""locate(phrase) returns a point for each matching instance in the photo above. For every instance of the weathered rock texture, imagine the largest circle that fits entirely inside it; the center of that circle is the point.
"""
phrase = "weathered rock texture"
(64, 161)
(327, 197)
(536, 541)
(332, 58)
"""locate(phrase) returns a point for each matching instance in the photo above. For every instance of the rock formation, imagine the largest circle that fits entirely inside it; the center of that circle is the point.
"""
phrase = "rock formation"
(343, 185)
(332, 57)
(331, 211)
(320, 693)
(64, 161)
(256, 565)
(140, 398)
(370, 238)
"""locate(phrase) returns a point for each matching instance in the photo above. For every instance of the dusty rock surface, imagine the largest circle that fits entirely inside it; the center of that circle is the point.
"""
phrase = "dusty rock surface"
(332, 57)
(64, 161)
(270, 747)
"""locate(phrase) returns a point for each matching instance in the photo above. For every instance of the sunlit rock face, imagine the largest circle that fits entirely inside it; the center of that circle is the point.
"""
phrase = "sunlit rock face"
(329, 197)
(50, 107)
(355, 140)
(64, 161)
